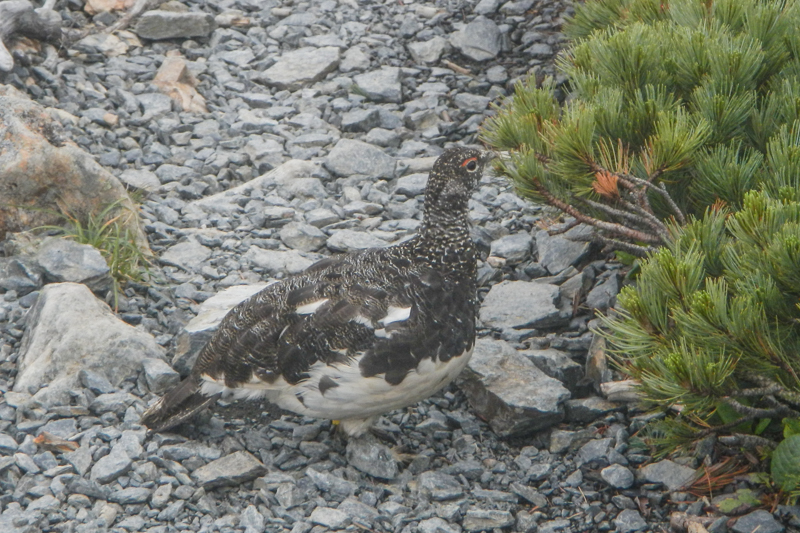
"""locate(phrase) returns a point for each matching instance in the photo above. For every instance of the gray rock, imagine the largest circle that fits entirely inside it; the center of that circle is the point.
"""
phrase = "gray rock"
(7, 444)
(161, 496)
(140, 179)
(617, 476)
(354, 59)
(629, 520)
(350, 157)
(274, 261)
(588, 409)
(63, 427)
(158, 25)
(603, 295)
(556, 364)
(479, 40)
(159, 375)
(45, 503)
(303, 237)
(232, 469)
(487, 7)
(361, 120)
(97, 383)
(335, 486)
(437, 525)
(69, 330)
(486, 520)
(251, 520)
(329, 517)
(471, 103)
(540, 50)
(411, 185)
(381, 85)
(111, 466)
(522, 305)
(372, 458)
(321, 217)
(557, 252)
(19, 275)
(429, 51)
(507, 389)
(131, 495)
(439, 486)
(189, 255)
(672, 475)
(66, 260)
(80, 459)
(168, 173)
(594, 452)
(513, 248)
(760, 521)
(347, 240)
(301, 67)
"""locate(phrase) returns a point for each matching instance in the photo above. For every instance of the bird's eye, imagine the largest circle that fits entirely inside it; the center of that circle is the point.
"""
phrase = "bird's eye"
(471, 164)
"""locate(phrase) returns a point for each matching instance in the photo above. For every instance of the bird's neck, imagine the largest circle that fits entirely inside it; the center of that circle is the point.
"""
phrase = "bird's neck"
(444, 241)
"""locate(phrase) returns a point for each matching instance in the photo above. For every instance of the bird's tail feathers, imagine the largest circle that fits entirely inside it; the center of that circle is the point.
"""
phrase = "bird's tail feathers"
(178, 405)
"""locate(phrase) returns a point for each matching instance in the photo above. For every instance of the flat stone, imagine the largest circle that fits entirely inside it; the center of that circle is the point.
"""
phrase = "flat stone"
(7, 444)
(351, 157)
(303, 237)
(372, 458)
(347, 240)
(437, 525)
(131, 495)
(159, 375)
(439, 486)
(158, 25)
(595, 452)
(411, 185)
(604, 294)
(190, 255)
(759, 521)
(329, 517)
(471, 103)
(617, 476)
(66, 260)
(301, 67)
(558, 252)
(361, 120)
(506, 388)
(381, 85)
(629, 520)
(479, 40)
(556, 364)
(232, 469)
(140, 179)
(586, 410)
(429, 51)
(111, 466)
(522, 305)
(673, 475)
(69, 330)
(486, 520)
(514, 248)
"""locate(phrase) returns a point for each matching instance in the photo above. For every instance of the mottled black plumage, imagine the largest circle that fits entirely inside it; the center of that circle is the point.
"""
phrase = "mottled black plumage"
(355, 335)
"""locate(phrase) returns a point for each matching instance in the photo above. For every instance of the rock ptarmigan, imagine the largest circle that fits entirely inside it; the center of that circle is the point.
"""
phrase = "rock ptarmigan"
(356, 335)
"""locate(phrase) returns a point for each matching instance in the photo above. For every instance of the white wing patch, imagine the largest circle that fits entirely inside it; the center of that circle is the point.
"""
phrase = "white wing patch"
(311, 307)
(395, 314)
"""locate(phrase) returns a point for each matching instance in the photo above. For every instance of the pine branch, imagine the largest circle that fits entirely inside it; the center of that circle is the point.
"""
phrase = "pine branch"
(612, 227)
(564, 228)
(625, 246)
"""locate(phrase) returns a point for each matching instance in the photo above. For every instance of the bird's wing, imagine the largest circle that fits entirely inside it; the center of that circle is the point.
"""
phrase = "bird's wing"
(389, 317)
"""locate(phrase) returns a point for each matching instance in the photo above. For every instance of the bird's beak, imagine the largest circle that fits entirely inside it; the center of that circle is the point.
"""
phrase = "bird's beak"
(487, 156)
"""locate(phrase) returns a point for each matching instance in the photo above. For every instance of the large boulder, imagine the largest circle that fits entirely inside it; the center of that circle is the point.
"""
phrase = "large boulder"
(508, 391)
(69, 330)
(41, 174)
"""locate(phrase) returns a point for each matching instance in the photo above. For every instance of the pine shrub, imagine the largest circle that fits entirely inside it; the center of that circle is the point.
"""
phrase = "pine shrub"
(712, 326)
(671, 107)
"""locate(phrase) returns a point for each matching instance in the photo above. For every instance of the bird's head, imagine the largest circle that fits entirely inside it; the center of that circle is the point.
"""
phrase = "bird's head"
(454, 176)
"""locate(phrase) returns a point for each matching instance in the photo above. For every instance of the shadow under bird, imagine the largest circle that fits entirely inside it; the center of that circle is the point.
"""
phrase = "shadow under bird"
(356, 335)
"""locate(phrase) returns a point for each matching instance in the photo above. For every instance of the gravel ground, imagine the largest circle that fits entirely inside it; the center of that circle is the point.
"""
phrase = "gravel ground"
(372, 93)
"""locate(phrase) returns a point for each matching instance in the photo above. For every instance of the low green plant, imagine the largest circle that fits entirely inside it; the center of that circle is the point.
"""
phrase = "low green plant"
(115, 241)
(670, 107)
(712, 329)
